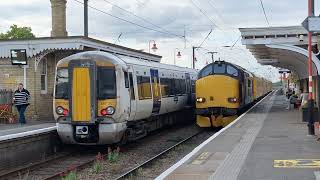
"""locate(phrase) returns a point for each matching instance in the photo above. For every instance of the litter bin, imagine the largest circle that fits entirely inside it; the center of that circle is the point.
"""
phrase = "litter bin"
(305, 114)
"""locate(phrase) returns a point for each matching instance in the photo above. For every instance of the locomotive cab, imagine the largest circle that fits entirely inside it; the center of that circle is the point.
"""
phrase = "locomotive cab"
(85, 101)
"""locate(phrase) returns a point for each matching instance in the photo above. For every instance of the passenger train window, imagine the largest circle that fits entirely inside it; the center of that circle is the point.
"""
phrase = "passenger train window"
(183, 86)
(165, 84)
(106, 81)
(62, 84)
(144, 87)
(219, 68)
(232, 71)
(206, 71)
(126, 80)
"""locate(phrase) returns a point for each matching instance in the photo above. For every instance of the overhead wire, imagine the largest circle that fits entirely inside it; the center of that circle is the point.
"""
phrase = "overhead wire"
(204, 13)
(264, 12)
(141, 18)
(130, 22)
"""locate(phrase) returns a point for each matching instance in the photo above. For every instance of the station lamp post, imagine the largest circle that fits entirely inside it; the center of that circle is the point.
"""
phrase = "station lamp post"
(154, 46)
(178, 55)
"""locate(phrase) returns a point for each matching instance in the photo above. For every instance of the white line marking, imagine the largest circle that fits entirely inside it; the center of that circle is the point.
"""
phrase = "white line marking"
(27, 133)
(198, 148)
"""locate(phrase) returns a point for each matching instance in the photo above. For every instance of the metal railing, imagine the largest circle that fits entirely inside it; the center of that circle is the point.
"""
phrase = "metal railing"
(6, 97)
(6, 114)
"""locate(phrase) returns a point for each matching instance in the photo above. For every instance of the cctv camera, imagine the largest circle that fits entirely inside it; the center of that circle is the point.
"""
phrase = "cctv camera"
(301, 37)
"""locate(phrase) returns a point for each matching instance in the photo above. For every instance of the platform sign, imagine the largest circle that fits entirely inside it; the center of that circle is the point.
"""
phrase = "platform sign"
(18, 56)
(312, 24)
(297, 163)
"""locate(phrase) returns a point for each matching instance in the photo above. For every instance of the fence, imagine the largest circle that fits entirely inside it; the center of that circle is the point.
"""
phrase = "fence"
(6, 97)
(6, 105)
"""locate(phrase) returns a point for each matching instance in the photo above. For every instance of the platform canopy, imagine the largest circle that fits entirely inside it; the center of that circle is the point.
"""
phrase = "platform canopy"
(283, 47)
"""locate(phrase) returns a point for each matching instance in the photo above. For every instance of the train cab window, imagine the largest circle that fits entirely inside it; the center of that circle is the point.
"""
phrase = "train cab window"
(219, 68)
(106, 81)
(62, 84)
(205, 71)
(144, 87)
(232, 71)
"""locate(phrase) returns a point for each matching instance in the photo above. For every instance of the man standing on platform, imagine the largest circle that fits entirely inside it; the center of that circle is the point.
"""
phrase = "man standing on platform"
(21, 97)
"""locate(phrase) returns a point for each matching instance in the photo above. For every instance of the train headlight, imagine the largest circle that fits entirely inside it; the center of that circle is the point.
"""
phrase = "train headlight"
(201, 100)
(110, 110)
(59, 110)
(232, 100)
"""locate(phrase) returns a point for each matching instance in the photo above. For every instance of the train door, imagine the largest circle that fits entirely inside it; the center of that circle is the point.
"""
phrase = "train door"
(133, 102)
(155, 91)
(188, 87)
(82, 104)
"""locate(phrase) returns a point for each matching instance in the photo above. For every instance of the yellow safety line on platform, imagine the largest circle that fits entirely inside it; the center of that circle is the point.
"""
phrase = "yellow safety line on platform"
(297, 163)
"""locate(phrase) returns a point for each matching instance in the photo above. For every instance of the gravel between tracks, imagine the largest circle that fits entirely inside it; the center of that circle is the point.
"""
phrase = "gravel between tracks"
(136, 153)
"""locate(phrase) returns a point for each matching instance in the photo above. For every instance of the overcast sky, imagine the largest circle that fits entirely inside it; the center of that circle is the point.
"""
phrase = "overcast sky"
(169, 18)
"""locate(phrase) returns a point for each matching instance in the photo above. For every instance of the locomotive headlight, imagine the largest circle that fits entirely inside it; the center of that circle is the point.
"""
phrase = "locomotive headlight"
(201, 100)
(110, 110)
(232, 100)
(59, 110)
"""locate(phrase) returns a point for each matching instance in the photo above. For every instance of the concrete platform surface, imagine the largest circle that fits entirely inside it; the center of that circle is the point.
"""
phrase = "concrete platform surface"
(9, 131)
(267, 143)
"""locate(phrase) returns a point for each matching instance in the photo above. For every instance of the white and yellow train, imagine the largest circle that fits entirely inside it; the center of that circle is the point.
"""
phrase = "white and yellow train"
(104, 98)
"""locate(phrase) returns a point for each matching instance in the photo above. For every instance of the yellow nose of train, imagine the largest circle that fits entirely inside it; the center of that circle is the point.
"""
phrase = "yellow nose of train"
(217, 91)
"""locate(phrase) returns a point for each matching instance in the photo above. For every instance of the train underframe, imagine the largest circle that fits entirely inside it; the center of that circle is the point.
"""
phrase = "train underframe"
(100, 133)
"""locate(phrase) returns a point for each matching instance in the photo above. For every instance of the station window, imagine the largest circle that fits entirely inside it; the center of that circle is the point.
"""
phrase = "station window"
(232, 71)
(44, 76)
(106, 83)
(144, 87)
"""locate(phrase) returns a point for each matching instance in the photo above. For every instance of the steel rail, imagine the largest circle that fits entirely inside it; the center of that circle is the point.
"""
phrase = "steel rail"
(132, 171)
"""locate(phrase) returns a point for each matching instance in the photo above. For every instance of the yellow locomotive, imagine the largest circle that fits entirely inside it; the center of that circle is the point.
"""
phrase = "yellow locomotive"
(224, 90)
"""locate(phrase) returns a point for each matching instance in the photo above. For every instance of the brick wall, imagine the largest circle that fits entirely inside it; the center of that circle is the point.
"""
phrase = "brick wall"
(40, 108)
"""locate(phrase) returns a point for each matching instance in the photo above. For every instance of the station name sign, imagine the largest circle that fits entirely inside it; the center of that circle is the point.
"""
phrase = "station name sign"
(18, 56)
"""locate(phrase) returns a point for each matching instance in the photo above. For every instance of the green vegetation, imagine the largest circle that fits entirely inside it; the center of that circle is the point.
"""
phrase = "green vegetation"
(97, 166)
(16, 32)
(113, 156)
(70, 176)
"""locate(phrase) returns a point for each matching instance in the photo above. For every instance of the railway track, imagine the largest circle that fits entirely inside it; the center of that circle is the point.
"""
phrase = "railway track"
(81, 158)
(54, 167)
(148, 162)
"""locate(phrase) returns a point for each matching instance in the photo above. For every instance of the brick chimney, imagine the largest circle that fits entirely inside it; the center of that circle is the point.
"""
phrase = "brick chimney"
(58, 10)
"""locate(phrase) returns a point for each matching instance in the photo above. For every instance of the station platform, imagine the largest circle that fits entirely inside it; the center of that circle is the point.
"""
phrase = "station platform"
(268, 142)
(13, 131)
